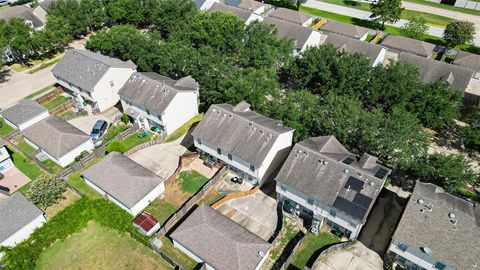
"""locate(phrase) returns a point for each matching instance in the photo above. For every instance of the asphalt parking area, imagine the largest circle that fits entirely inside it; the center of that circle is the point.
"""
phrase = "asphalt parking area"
(161, 159)
(257, 213)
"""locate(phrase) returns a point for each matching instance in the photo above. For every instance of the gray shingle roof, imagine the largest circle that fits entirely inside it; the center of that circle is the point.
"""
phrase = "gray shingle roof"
(290, 15)
(22, 112)
(240, 12)
(84, 68)
(122, 178)
(244, 133)
(245, 4)
(219, 241)
(55, 136)
(431, 71)
(408, 45)
(45, 4)
(153, 91)
(316, 168)
(468, 60)
(345, 29)
(22, 12)
(297, 33)
(352, 45)
(455, 245)
(16, 212)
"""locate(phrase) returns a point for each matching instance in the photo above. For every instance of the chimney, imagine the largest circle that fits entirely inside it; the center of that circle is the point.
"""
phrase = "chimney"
(367, 161)
(243, 106)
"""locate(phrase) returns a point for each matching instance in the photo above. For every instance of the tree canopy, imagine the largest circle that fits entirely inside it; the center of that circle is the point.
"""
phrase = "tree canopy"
(458, 33)
(386, 11)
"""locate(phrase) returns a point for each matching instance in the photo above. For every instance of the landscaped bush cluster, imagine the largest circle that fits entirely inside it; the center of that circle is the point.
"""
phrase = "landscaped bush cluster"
(71, 220)
(46, 191)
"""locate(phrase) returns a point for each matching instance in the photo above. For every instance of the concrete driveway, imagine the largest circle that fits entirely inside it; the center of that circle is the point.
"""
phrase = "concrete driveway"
(162, 159)
(86, 123)
(355, 257)
(227, 187)
(257, 213)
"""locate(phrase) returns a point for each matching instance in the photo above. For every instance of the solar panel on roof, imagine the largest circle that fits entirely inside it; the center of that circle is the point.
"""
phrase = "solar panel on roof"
(354, 183)
(349, 208)
(381, 173)
(348, 161)
(362, 200)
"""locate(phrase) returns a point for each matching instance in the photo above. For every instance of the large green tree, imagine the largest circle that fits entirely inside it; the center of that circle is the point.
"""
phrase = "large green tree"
(415, 28)
(458, 33)
(386, 11)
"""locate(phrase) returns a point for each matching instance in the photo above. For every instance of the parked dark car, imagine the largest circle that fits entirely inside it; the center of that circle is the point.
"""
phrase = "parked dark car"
(237, 180)
(99, 129)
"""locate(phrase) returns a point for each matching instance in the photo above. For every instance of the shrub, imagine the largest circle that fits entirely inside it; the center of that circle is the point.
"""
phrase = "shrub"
(46, 191)
(116, 146)
(471, 137)
(82, 154)
(125, 118)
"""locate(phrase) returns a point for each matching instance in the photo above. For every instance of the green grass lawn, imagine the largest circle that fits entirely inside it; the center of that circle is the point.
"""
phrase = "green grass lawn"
(191, 181)
(39, 92)
(459, 9)
(113, 131)
(5, 7)
(55, 102)
(286, 235)
(52, 166)
(77, 182)
(184, 128)
(133, 140)
(177, 255)
(44, 65)
(25, 147)
(4, 128)
(311, 243)
(97, 247)
(25, 166)
(161, 210)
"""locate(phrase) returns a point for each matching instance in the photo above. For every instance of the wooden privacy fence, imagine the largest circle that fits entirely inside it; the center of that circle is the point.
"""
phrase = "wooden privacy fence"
(191, 202)
(235, 196)
(63, 107)
(50, 96)
(74, 115)
(144, 145)
(181, 161)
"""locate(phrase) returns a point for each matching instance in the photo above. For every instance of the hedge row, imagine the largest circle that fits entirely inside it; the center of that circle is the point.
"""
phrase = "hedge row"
(71, 220)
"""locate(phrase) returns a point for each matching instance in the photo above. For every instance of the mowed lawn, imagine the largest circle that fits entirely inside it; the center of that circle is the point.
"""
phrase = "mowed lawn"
(97, 247)
(309, 245)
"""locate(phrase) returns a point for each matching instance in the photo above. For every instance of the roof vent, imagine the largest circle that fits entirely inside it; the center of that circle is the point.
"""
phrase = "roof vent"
(426, 250)
(325, 162)
(420, 201)
(261, 254)
(346, 171)
(371, 183)
(451, 215)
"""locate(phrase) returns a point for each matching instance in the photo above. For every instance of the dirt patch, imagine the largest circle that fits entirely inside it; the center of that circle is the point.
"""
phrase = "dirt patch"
(174, 195)
(69, 198)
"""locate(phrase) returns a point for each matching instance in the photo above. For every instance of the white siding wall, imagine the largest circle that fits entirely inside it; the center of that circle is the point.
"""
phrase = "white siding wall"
(207, 5)
(380, 57)
(68, 158)
(308, 23)
(312, 41)
(24, 233)
(104, 93)
(254, 17)
(364, 37)
(182, 108)
(4, 153)
(318, 210)
(33, 121)
(260, 10)
(276, 156)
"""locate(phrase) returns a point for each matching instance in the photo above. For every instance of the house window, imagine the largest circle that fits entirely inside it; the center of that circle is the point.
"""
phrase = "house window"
(333, 213)
(439, 266)
(219, 151)
(230, 156)
(402, 246)
(111, 83)
(310, 201)
(252, 168)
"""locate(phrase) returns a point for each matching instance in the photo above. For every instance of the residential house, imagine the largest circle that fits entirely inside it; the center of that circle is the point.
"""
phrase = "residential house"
(322, 180)
(460, 78)
(251, 145)
(204, 5)
(397, 44)
(92, 77)
(5, 160)
(252, 5)
(41, 10)
(155, 101)
(437, 231)
(218, 242)
(468, 60)
(24, 114)
(146, 224)
(292, 16)
(244, 14)
(18, 220)
(375, 53)
(57, 140)
(345, 29)
(22, 12)
(303, 37)
(124, 182)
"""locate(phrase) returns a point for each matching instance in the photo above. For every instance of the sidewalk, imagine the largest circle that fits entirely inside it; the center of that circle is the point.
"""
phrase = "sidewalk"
(365, 15)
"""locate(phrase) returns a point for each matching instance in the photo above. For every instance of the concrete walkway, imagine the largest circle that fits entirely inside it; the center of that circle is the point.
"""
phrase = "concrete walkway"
(365, 15)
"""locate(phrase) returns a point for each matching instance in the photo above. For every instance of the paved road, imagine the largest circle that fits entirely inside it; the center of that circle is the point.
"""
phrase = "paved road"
(365, 15)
